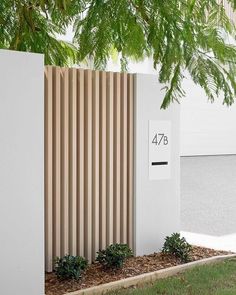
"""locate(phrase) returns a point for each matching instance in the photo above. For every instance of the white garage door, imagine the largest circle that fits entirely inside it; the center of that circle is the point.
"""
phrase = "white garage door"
(206, 128)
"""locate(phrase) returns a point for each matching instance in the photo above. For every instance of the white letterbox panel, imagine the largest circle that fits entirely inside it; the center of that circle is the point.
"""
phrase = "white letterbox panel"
(159, 149)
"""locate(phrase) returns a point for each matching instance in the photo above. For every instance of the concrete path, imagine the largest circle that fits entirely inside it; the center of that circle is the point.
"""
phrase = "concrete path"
(227, 242)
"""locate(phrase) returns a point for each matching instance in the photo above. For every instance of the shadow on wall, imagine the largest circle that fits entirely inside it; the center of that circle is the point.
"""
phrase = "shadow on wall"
(208, 194)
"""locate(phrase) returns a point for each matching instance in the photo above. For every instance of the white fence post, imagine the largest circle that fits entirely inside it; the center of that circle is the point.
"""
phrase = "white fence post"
(21, 173)
(157, 175)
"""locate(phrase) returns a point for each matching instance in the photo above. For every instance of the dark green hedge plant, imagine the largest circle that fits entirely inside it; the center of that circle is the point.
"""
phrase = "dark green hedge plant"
(70, 267)
(114, 256)
(177, 246)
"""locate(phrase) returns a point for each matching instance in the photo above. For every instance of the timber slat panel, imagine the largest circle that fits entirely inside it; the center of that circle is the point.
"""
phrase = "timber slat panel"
(124, 151)
(88, 164)
(57, 161)
(130, 159)
(109, 179)
(95, 165)
(80, 214)
(103, 160)
(117, 150)
(65, 162)
(88, 161)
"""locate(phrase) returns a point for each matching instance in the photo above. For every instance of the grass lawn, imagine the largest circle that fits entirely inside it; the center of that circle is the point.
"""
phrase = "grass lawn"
(217, 279)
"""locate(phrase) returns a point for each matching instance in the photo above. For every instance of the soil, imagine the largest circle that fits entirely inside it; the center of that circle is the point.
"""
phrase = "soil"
(96, 275)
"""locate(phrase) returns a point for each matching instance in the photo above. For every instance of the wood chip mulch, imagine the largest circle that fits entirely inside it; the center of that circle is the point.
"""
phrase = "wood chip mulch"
(96, 275)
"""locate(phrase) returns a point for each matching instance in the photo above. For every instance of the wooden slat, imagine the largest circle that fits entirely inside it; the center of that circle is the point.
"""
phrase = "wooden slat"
(117, 162)
(124, 188)
(81, 125)
(130, 159)
(57, 162)
(88, 161)
(73, 163)
(103, 160)
(88, 164)
(110, 186)
(65, 162)
(48, 169)
(95, 167)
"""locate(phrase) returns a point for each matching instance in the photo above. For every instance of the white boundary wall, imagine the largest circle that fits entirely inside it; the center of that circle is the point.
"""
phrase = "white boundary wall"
(21, 173)
(206, 128)
(157, 207)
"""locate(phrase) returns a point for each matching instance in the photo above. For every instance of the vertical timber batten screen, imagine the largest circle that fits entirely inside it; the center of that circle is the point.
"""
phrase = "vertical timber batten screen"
(88, 161)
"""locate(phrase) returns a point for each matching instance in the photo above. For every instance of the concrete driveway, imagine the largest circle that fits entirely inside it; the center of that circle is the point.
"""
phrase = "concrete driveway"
(208, 199)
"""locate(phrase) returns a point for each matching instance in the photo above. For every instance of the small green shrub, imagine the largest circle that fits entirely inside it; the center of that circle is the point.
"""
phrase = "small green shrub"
(177, 246)
(70, 267)
(114, 256)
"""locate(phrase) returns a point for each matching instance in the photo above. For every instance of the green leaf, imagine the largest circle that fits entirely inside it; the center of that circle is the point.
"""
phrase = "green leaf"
(181, 36)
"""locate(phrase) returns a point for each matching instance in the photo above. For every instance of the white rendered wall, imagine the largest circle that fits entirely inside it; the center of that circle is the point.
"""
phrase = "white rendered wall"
(157, 208)
(206, 128)
(21, 173)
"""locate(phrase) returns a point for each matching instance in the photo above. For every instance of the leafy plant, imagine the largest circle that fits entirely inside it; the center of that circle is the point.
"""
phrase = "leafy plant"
(180, 36)
(70, 267)
(177, 246)
(114, 256)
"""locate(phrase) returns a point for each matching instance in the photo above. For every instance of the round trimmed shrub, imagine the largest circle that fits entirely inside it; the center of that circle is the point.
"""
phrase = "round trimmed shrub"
(70, 267)
(114, 256)
(177, 246)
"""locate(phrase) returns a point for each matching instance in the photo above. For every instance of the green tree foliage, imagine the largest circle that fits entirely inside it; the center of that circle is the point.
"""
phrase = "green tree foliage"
(34, 26)
(181, 36)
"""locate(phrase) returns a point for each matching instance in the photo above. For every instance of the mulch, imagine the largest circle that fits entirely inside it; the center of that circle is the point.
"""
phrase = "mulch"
(96, 275)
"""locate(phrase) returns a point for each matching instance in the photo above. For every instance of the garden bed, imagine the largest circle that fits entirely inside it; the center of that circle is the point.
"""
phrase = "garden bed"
(96, 275)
